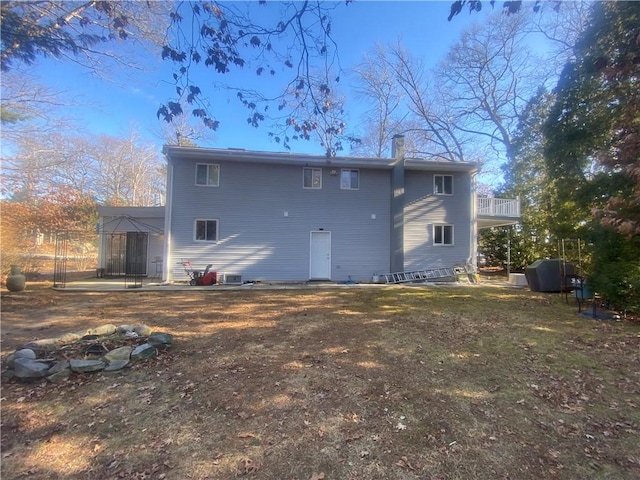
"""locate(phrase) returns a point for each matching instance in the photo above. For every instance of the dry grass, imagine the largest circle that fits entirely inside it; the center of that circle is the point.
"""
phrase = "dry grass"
(384, 383)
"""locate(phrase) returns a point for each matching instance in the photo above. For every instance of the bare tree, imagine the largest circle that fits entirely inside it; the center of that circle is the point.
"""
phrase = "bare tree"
(561, 28)
(437, 131)
(469, 106)
(43, 164)
(29, 108)
(488, 77)
(377, 86)
(128, 172)
(114, 171)
(395, 81)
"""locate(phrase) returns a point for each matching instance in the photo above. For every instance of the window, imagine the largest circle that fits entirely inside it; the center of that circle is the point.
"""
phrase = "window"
(207, 174)
(312, 178)
(443, 184)
(349, 179)
(443, 234)
(206, 230)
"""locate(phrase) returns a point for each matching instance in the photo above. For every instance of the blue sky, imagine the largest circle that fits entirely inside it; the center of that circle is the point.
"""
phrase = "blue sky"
(132, 98)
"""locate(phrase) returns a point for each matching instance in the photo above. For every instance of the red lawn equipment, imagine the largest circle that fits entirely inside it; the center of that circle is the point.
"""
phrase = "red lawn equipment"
(198, 277)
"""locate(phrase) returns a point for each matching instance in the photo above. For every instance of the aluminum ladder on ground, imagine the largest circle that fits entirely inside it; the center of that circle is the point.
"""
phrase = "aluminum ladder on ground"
(422, 275)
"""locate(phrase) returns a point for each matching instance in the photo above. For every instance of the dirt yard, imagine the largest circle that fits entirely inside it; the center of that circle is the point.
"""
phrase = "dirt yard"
(472, 382)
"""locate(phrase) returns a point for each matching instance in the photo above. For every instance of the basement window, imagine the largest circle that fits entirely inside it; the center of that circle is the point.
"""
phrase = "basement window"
(206, 230)
(443, 234)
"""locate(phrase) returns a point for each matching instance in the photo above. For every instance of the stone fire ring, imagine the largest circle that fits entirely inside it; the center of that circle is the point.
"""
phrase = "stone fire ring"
(103, 349)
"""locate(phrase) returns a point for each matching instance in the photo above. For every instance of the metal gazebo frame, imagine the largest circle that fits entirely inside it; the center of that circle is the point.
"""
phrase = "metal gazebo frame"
(125, 252)
(65, 243)
(121, 253)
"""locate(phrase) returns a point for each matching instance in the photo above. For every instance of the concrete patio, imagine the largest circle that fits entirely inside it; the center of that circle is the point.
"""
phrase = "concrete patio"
(118, 284)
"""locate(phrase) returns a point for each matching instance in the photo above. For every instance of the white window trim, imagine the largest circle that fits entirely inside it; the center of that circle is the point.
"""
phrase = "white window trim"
(313, 169)
(209, 165)
(442, 225)
(195, 229)
(434, 184)
(349, 170)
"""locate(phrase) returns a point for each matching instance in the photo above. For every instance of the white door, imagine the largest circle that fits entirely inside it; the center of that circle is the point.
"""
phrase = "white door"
(320, 256)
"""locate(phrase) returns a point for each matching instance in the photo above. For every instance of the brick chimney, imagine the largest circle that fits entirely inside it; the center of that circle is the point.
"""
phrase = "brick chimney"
(397, 147)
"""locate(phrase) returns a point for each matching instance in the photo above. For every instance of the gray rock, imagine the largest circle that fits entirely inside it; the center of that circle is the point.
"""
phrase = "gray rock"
(29, 368)
(142, 330)
(102, 330)
(7, 375)
(124, 329)
(8, 360)
(144, 351)
(86, 366)
(60, 376)
(25, 353)
(80, 333)
(122, 353)
(116, 365)
(69, 338)
(42, 345)
(59, 367)
(160, 339)
(40, 351)
(22, 353)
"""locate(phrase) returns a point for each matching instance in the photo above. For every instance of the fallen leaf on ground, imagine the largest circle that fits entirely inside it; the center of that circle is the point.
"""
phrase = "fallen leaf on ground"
(404, 463)
(246, 466)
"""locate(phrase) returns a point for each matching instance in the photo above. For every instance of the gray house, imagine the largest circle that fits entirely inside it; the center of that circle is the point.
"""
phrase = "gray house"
(260, 216)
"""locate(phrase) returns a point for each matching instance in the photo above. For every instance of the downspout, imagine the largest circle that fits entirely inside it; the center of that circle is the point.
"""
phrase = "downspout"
(474, 221)
(100, 232)
(166, 271)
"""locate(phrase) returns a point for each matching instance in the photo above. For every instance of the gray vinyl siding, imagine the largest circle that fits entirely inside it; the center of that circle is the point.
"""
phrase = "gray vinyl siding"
(423, 209)
(396, 254)
(257, 240)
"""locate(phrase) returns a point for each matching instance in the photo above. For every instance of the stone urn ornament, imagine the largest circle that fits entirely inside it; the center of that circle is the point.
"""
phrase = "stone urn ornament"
(16, 281)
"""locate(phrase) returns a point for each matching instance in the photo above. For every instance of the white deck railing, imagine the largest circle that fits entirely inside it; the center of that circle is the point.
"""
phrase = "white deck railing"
(498, 207)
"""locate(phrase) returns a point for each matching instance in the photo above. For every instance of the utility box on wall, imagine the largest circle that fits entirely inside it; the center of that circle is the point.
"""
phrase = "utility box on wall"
(231, 279)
